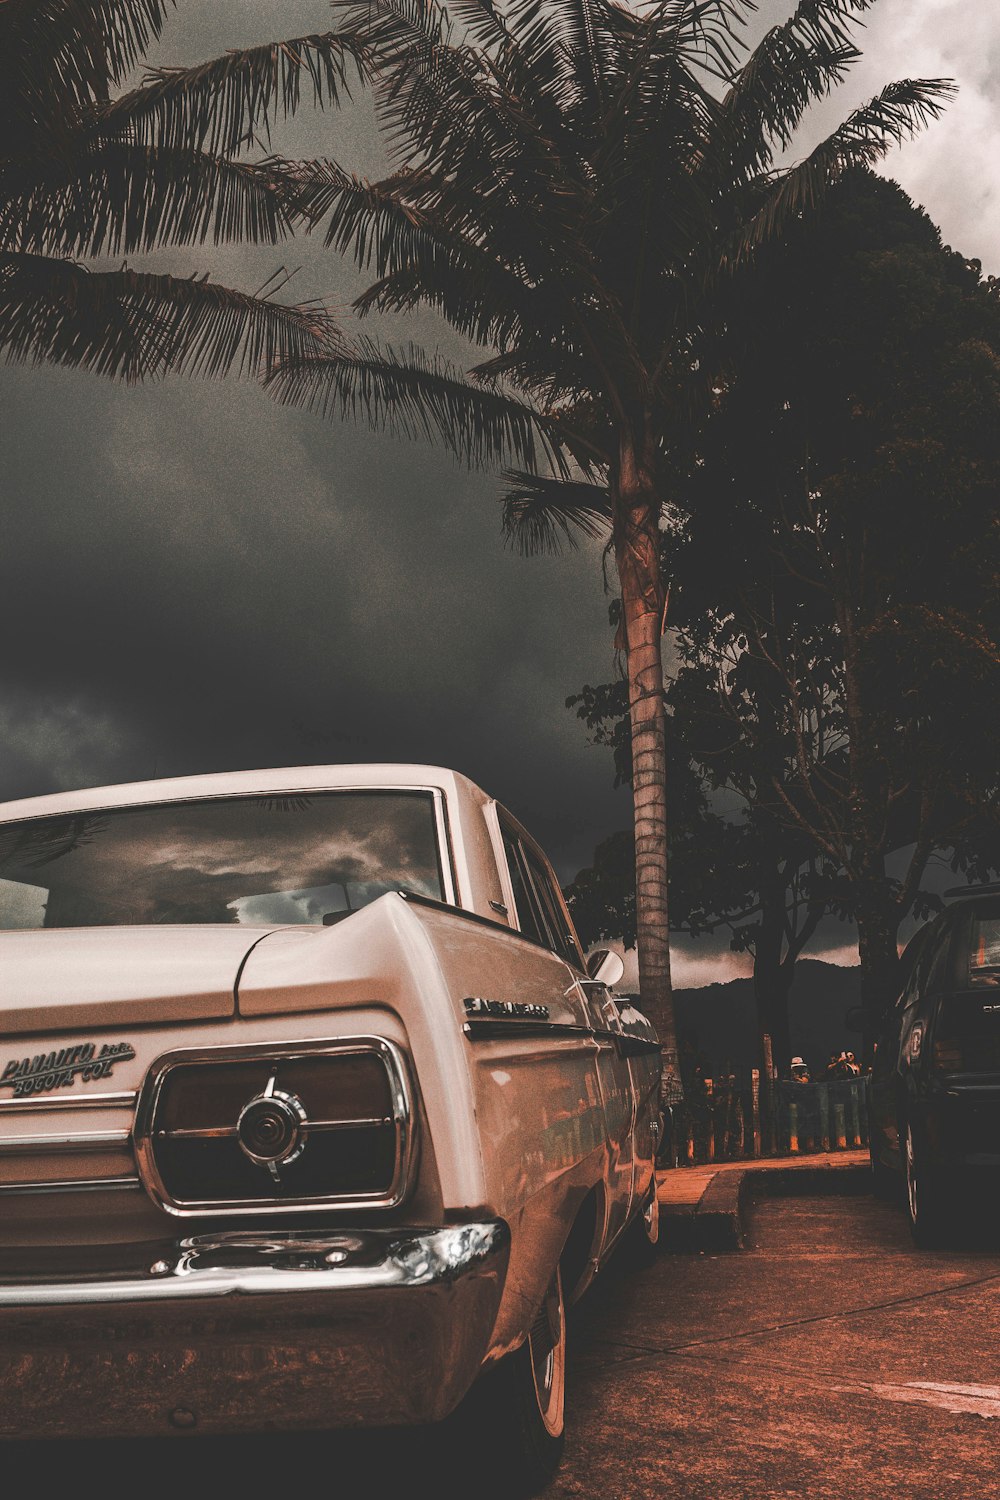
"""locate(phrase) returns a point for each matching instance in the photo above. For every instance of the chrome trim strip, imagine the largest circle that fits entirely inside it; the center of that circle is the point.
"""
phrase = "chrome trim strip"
(334, 1263)
(71, 1185)
(446, 855)
(482, 1027)
(403, 1115)
(94, 1140)
(41, 1103)
(230, 1132)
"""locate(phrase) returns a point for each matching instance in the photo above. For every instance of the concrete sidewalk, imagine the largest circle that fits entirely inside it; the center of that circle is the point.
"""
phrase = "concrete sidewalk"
(706, 1208)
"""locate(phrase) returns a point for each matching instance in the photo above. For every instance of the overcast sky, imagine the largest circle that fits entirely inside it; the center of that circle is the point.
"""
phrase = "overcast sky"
(192, 579)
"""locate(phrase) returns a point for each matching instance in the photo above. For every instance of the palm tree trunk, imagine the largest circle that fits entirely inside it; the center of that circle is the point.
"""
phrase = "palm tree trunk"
(637, 553)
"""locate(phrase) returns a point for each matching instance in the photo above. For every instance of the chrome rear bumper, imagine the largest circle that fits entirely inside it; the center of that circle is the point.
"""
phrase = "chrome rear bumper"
(256, 1331)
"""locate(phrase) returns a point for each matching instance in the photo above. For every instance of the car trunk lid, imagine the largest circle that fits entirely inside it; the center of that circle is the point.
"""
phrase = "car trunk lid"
(86, 977)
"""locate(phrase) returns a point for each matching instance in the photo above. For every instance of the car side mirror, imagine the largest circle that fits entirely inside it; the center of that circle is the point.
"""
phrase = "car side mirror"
(605, 966)
(855, 1019)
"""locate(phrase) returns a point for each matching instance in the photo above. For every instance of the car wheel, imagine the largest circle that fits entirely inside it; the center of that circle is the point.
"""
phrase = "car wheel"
(516, 1411)
(649, 1219)
(926, 1203)
(642, 1237)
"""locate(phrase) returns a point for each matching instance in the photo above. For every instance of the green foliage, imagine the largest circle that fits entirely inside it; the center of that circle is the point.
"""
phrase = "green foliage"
(566, 192)
(839, 654)
(855, 458)
(87, 173)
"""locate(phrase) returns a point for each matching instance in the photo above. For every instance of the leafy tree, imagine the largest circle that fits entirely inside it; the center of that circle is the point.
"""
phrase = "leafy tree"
(744, 872)
(855, 456)
(840, 655)
(571, 181)
(87, 170)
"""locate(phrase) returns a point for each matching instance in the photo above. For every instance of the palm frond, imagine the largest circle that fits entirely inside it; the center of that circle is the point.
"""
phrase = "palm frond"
(542, 514)
(894, 115)
(77, 49)
(113, 198)
(412, 395)
(133, 325)
(219, 105)
(446, 103)
(795, 64)
(418, 255)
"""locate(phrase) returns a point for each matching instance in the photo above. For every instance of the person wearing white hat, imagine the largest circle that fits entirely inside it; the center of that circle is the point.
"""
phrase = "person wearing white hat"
(800, 1070)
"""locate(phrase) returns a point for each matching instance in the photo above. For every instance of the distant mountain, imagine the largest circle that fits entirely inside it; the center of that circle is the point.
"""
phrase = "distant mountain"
(721, 1020)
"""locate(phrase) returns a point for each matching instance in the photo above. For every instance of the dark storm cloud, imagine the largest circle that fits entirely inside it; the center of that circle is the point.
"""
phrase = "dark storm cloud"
(192, 579)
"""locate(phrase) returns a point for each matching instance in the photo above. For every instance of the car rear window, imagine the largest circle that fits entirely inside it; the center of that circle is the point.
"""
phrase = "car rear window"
(984, 951)
(254, 861)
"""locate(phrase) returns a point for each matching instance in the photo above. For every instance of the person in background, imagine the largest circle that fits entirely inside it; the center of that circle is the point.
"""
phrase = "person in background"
(799, 1070)
(832, 1068)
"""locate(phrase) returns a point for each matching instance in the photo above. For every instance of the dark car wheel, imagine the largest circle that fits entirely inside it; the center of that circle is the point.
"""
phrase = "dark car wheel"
(515, 1413)
(649, 1219)
(927, 1201)
(640, 1243)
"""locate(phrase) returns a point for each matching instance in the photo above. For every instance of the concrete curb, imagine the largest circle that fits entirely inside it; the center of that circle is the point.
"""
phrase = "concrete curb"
(719, 1220)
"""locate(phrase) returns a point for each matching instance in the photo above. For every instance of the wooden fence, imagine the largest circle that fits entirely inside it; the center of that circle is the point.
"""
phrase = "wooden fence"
(743, 1114)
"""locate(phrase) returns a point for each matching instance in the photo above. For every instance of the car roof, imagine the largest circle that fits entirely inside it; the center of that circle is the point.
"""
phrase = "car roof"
(287, 780)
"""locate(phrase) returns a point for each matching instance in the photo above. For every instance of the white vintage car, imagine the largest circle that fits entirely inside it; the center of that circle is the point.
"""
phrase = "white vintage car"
(311, 1111)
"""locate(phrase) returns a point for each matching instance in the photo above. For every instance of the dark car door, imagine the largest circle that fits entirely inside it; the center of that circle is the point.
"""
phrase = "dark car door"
(895, 1028)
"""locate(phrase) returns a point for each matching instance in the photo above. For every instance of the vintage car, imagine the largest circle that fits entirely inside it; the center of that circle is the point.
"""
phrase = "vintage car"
(934, 1099)
(312, 1112)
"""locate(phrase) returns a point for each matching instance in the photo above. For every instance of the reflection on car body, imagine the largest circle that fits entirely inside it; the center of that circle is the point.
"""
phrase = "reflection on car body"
(365, 1120)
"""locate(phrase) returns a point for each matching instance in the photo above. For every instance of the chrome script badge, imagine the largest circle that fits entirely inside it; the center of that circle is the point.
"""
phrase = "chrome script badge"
(59, 1070)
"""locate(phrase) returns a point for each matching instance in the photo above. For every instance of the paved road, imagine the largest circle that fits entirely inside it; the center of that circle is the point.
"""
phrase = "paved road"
(830, 1359)
(800, 1367)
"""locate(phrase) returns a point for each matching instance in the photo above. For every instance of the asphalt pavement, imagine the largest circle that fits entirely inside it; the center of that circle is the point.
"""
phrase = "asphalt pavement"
(827, 1359)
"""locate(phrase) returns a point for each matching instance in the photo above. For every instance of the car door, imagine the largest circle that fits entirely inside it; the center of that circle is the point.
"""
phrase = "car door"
(619, 1099)
(540, 905)
(901, 1036)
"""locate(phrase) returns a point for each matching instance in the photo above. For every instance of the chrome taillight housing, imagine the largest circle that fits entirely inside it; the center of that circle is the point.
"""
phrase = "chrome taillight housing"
(289, 1129)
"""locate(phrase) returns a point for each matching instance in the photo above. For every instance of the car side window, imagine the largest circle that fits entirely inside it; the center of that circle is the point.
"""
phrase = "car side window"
(529, 914)
(551, 905)
(936, 972)
(916, 960)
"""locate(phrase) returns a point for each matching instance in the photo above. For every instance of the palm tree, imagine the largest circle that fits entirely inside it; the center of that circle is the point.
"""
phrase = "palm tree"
(573, 180)
(87, 170)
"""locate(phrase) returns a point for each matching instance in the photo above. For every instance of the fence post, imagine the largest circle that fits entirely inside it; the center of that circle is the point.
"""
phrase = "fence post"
(793, 1127)
(709, 1120)
(855, 1113)
(823, 1095)
(841, 1125)
(755, 1110)
(770, 1098)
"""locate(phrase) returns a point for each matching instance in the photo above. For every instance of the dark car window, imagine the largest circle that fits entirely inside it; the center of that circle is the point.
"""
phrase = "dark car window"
(247, 860)
(555, 920)
(984, 951)
(529, 914)
(937, 970)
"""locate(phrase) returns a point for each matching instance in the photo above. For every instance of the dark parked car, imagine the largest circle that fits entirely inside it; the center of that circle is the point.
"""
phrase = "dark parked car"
(935, 1094)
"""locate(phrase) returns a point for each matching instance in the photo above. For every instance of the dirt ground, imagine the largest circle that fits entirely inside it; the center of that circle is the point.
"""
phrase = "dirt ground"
(829, 1359)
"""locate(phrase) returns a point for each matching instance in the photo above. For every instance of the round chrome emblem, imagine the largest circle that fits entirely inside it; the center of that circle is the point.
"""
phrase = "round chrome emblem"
(271, 1129)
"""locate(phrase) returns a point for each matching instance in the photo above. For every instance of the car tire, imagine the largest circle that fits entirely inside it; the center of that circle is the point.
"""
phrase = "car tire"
(514, 1422)
(649, 1218)
(927, 1202)
(641, 1240)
